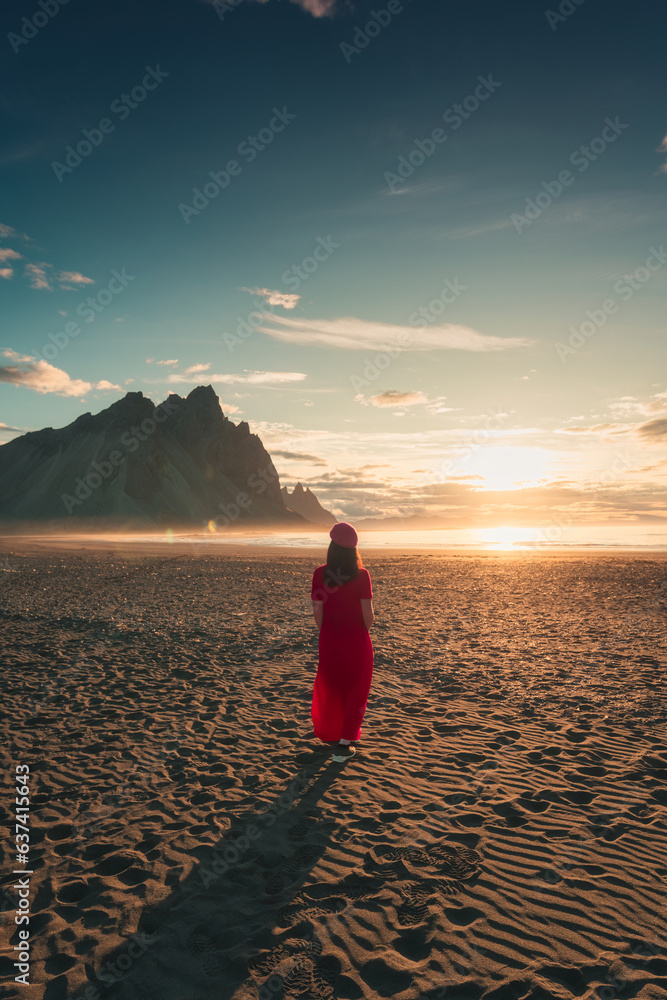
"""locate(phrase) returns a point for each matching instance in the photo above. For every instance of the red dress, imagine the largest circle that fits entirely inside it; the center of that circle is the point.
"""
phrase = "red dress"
(345, 670)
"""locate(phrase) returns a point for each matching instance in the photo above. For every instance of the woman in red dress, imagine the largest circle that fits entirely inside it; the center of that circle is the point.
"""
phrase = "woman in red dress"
(343, 609)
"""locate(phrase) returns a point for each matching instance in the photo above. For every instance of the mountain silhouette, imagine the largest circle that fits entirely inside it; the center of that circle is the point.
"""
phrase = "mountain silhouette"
(180, 462)
(303, 501)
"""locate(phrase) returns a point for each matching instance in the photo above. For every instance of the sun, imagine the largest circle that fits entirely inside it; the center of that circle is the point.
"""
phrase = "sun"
(509, 468)
(504, 539)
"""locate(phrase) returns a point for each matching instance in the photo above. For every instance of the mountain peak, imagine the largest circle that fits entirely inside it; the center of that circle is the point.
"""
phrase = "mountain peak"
(202, 393)
(303, 501)
(181, 461)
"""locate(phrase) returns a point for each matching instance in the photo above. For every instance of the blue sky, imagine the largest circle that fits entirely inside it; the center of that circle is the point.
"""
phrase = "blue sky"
(308, 112)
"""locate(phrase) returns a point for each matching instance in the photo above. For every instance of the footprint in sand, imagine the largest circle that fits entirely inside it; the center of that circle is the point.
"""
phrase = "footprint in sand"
(439, 870)
(203, 948)
(295, 966)
(283, 870)
(449, 860)
(322, 898)
(418, 874)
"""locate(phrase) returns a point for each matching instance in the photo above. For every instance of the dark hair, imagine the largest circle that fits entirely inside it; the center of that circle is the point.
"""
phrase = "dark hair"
(343, 565)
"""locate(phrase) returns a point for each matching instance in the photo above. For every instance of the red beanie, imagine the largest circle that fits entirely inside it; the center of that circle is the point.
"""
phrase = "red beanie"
(344, 534)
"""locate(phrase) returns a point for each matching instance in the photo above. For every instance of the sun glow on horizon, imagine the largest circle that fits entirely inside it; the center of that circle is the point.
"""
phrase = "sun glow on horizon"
(505, 539)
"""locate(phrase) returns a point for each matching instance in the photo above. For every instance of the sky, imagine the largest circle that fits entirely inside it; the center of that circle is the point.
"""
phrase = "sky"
(418, 246)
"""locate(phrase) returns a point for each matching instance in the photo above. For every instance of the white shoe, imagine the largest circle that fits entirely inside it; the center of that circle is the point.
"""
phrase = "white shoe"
(343, 752)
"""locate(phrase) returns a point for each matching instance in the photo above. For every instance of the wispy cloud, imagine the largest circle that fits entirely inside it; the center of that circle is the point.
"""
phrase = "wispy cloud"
(8, 232)
(170, 361)
(657, 403)
(653, 430)
(399, 400)
(594, 429)
(42, 377)
(662, 148)
(72, 280)
(247, 377)
(273, 297)
(318, 8)
(349, 333)
(41, 276)
(36, 274)
(8, 254)
(392, 397)
(297, 456)
(193, 369)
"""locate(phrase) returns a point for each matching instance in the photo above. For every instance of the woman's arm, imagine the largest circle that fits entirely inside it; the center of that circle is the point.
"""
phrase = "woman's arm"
(318, 612)
(367, 611)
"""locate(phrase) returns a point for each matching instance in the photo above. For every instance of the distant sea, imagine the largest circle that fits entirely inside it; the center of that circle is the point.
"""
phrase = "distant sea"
(609, 538)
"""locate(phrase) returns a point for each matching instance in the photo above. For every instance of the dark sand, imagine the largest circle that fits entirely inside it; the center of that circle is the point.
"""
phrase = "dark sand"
(501, 832)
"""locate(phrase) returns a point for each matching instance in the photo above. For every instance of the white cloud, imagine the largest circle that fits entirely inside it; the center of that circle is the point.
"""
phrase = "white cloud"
(7, 232)
(36, 274)
(392, 397)
(349, 333)
(7, 254)
(104, 384)
(657, 403)
(172, 361)
(275, 298)
(248, 377)
(6, 272)
(594, 429)
(15, 356)
(193, 369)
(42, 377)
(71, 280)
(653, 430)
(40, 274)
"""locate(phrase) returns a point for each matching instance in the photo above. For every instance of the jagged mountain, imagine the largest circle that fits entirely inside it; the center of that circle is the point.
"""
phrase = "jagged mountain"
(302, 501)
(181, 462)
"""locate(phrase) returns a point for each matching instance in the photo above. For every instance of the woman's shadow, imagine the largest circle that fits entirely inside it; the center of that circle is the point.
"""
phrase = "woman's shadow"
(213, 935)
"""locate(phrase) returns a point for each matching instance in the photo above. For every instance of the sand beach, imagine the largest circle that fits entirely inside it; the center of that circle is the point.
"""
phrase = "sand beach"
(500, 833)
